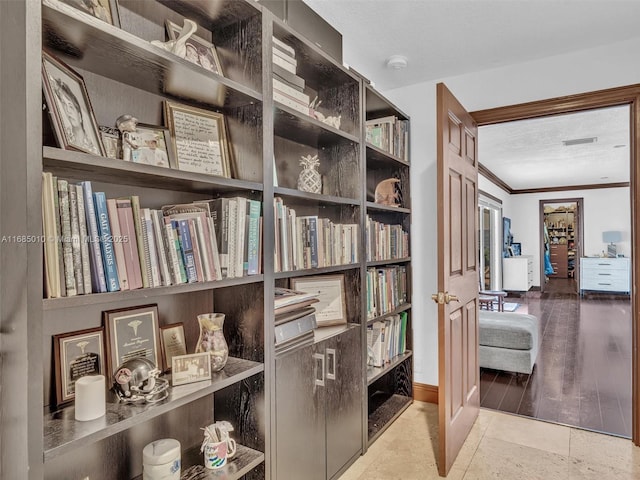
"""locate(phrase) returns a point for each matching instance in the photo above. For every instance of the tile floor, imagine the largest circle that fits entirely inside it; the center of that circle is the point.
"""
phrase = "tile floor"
(500, 446)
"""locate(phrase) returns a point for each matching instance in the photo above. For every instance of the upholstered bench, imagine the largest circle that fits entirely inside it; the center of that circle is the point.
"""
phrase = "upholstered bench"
(508, 341)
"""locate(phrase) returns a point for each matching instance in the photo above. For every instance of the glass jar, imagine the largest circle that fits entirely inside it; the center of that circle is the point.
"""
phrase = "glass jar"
(212, 339)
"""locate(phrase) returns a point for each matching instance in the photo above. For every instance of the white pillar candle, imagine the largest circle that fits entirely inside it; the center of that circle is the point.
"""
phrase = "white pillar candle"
(90, 397)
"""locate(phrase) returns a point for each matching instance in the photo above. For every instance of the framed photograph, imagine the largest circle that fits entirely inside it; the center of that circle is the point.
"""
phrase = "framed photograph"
(111, 141)
(173, 343)
(132, 332)
(154, 146)
(199, 139)
(77, 354)
(72, 118)
(105, 10)
(516, 248)
(331, 308)
(190, 368)
(199, 51)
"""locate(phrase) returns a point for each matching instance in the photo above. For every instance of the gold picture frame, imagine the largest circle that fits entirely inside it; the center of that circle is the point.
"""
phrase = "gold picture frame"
(331, 308)
(173, 343)
(199, 139)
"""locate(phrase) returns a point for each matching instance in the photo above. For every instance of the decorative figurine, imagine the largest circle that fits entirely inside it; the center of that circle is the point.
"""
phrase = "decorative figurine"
(331, 121)
(387, 193)
(178, 46)
(128, 126)
(310, 179)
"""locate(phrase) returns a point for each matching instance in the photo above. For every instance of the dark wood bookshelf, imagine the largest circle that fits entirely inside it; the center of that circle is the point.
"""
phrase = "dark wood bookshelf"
(377, 106)
(293, 125)
(301, 197)
(384, 208)
(384, 408)
(90, 44)
(81, 166)
(389, 261)
(63, 434)
(378, 158)
(374, 373)
(401, 308)
(143, 293)
(244, 460)
(210, 13)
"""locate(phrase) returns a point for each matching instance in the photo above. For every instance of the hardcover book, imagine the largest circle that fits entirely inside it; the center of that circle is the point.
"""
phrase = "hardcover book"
(84, 240)
(130, 243)
(98, 281)
(106, 242)
(75, 239)
(67, 249)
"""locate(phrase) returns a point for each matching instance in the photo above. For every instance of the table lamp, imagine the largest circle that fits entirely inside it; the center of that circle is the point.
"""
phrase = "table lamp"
(611, 238)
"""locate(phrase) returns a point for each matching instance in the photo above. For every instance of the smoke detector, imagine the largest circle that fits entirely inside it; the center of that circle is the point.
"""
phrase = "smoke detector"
(397, 62)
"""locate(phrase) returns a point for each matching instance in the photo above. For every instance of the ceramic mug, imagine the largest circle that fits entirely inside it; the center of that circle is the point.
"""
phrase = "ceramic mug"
(216, 453)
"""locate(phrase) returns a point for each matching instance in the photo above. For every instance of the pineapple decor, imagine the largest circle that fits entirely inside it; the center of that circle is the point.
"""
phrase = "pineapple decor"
(310, 179)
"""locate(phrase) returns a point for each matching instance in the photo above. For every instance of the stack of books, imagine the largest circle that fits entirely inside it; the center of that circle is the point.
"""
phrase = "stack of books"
(389, 134)
(387, 338)
(385, 242)
(295, 319)
(288, 88)
(310, 241)
(386, 289)
(93, 244)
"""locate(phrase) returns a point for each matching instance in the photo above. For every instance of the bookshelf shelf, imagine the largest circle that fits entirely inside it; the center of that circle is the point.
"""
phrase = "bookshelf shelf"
(384, 208)
(383, 410)
(374, 373)
(313, 198)
(143, 293)
(244, 460)
(402, 308)
(296, 126)
(378, 158)
(378, 106)
(106, 50)
(63, 434)
(80, 165)
(389, 261)
(316, 271)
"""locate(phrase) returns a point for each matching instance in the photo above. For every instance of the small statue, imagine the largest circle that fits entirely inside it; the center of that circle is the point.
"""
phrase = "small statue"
(387, 192)
(178, 46)
(128, 126)
(310, 179)
(331, 121)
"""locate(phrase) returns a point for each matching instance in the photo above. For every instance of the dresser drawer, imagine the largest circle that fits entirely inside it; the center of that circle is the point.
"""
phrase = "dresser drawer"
(605, 263)
(606, 284)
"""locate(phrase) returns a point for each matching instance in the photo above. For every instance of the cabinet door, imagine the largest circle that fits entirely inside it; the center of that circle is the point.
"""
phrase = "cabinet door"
(300, 415)
(343, 399)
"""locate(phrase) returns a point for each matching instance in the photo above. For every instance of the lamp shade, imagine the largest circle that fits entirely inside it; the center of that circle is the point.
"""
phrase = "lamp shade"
(612, 236)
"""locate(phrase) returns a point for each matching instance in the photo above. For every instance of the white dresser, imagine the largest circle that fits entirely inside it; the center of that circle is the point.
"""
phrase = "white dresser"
(517, 273)
(605, 274)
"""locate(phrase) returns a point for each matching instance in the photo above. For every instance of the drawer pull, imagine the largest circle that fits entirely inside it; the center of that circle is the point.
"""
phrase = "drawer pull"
(604, 274)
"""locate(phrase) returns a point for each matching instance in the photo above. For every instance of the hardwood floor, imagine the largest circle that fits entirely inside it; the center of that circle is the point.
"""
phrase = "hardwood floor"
(582, 375)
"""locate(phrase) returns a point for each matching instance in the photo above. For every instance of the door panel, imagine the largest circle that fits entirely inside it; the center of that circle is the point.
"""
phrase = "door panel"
(458, 382)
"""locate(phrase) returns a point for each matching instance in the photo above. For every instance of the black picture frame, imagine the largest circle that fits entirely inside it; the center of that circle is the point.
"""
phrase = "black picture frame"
(517, 249)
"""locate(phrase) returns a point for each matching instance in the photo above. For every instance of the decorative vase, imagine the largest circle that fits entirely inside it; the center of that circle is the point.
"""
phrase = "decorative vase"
(310, 179)
(211, 339)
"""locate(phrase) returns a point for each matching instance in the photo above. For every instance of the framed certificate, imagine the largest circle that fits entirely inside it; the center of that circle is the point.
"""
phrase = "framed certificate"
(77, 354)
(199, 139)
(331, 308)
(173, 343)
(132, 332)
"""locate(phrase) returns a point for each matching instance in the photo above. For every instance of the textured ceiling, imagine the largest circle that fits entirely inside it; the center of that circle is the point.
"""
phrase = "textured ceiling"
(530, 154)
(444, 38)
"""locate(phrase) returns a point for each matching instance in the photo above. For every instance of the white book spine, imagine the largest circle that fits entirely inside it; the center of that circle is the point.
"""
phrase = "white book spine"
(84, 241)
(204, 255)
(173, 253)
(291, 103)
(286, 57)
(292, 92)
(118, 245)
(165, 271)
(241, 220)
(284, 46)
(153, 254)
(214, 248)
(233, 235)
(288, 66)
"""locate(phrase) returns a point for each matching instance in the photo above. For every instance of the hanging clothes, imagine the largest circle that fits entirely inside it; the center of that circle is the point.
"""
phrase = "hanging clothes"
(548, 268)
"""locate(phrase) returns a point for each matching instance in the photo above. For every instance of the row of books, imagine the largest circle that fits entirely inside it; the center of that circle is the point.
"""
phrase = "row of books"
(93, 244)
(389, 134)
(288, 87)
(384, 241)
(312, 242)
(386, 289)
(387, 339)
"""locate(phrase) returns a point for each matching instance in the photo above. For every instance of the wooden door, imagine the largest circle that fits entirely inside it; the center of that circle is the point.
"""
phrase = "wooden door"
(457, 297)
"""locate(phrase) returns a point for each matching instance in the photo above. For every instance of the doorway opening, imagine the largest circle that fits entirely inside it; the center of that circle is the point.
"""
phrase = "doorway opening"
(586, 336)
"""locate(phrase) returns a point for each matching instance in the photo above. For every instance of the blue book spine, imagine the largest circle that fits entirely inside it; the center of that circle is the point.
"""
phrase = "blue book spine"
(106, 242)
(187, 251)
(98, 281)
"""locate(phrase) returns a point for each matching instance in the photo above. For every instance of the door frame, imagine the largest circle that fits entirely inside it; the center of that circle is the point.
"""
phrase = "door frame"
(627, 95)
(579, 201)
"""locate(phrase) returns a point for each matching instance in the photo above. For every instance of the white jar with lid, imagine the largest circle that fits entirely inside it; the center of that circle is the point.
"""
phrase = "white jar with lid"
(161, 460)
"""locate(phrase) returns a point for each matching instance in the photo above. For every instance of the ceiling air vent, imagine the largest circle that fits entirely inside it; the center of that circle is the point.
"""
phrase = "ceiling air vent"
(579, 141)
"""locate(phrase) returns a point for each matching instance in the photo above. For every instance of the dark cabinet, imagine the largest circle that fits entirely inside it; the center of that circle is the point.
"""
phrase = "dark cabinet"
(318, 408)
